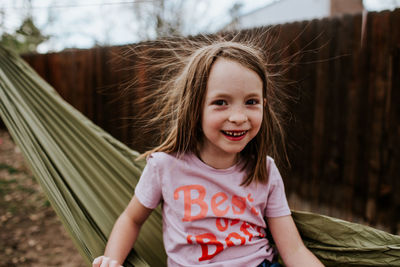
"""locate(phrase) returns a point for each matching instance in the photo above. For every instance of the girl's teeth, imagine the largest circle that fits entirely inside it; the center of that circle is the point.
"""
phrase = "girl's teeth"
(235, 133)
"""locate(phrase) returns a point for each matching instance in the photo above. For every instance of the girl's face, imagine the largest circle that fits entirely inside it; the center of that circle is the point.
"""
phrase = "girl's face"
(232, 112)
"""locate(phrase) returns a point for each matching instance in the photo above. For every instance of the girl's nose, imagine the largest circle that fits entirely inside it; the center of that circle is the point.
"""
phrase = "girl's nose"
(238, 117)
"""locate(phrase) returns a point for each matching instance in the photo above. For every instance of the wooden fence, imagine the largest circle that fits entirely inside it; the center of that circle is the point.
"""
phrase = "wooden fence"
(344, 128)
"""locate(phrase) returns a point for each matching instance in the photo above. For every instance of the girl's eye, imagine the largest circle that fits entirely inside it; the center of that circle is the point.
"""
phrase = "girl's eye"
(252, 102)
(220, 102)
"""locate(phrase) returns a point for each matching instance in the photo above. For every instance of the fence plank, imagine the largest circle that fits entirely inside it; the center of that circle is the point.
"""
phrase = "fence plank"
(392, 176)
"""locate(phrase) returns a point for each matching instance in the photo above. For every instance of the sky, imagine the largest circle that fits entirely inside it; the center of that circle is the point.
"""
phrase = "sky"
(83, 24)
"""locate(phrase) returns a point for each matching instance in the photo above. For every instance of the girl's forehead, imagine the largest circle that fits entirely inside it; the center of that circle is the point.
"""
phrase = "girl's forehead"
(226, 75)
(225, 66)
(227, 62)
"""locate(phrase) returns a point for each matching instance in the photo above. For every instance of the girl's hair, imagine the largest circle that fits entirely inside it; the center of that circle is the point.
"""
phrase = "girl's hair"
(180, 103)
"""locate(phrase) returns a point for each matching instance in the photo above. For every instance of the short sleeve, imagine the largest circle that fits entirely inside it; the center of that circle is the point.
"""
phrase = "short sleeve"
(277, 204)
(148, 190)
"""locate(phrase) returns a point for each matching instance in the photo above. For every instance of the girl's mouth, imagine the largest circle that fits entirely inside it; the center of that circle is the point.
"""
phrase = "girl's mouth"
(234, 135)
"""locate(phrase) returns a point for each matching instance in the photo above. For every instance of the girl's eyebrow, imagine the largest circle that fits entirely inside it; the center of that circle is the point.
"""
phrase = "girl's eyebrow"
(224, 95)
(254, 95)
(221, 95)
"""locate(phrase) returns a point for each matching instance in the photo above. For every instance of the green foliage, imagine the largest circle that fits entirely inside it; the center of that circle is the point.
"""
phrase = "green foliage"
(25, 39)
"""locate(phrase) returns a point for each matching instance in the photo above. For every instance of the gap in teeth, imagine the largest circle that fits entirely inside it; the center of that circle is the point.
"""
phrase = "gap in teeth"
(235, 133)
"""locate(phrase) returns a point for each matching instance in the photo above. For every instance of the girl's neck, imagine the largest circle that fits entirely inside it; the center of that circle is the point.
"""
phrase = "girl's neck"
(218, 162)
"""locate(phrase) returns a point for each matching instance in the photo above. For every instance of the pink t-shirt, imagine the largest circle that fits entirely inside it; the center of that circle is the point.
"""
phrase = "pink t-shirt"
(208, 218)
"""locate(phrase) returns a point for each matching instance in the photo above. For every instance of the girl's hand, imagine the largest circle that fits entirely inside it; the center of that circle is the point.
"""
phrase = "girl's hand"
(290, 246)
(104, 261)
(123, 235)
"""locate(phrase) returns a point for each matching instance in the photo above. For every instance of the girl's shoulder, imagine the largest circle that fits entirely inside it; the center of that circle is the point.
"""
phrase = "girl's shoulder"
(166, 164)
(273, 171)
(158, 156)
(270, 160)
(164, 158)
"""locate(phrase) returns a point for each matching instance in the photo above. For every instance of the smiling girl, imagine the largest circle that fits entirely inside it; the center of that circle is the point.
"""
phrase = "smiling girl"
(218, 187)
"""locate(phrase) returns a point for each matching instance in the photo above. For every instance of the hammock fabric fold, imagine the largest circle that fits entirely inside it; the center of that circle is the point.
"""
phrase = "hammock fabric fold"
(89, 177)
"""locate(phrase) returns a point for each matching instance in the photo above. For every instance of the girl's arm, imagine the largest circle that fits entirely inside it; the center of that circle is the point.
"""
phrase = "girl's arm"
(123, 234)
(288, 241)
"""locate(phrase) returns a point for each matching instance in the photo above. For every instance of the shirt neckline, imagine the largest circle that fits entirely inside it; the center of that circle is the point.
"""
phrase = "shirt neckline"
(198, 162)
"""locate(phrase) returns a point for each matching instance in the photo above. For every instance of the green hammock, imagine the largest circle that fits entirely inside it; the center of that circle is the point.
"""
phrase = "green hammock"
(89, 177)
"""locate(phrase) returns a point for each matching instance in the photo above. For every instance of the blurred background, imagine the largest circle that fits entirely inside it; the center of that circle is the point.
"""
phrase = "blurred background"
(53, 25)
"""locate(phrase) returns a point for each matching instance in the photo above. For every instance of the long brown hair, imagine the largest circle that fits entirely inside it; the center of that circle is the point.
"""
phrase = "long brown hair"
(182, 98)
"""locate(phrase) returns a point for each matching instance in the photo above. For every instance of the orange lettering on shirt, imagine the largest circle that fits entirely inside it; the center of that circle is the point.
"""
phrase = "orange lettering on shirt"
(206, 240)
(254, 211)
(220, 226)
(189, 201)
(229, 243)
(244, 228)
(235, 221)
(259, 230)
(238, 204)
(214, 204)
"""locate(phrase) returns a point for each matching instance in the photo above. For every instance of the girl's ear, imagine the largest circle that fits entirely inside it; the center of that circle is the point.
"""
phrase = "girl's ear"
(264, 102)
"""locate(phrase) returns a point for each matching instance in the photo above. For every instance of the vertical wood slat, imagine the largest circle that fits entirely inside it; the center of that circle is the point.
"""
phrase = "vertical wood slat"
(340, 70)
(377, 93)
(323, 115)
(351, 144)
(344, 132)
(393, 122)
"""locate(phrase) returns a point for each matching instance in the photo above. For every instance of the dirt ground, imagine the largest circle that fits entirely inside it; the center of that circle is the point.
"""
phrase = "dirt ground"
(30, 232)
